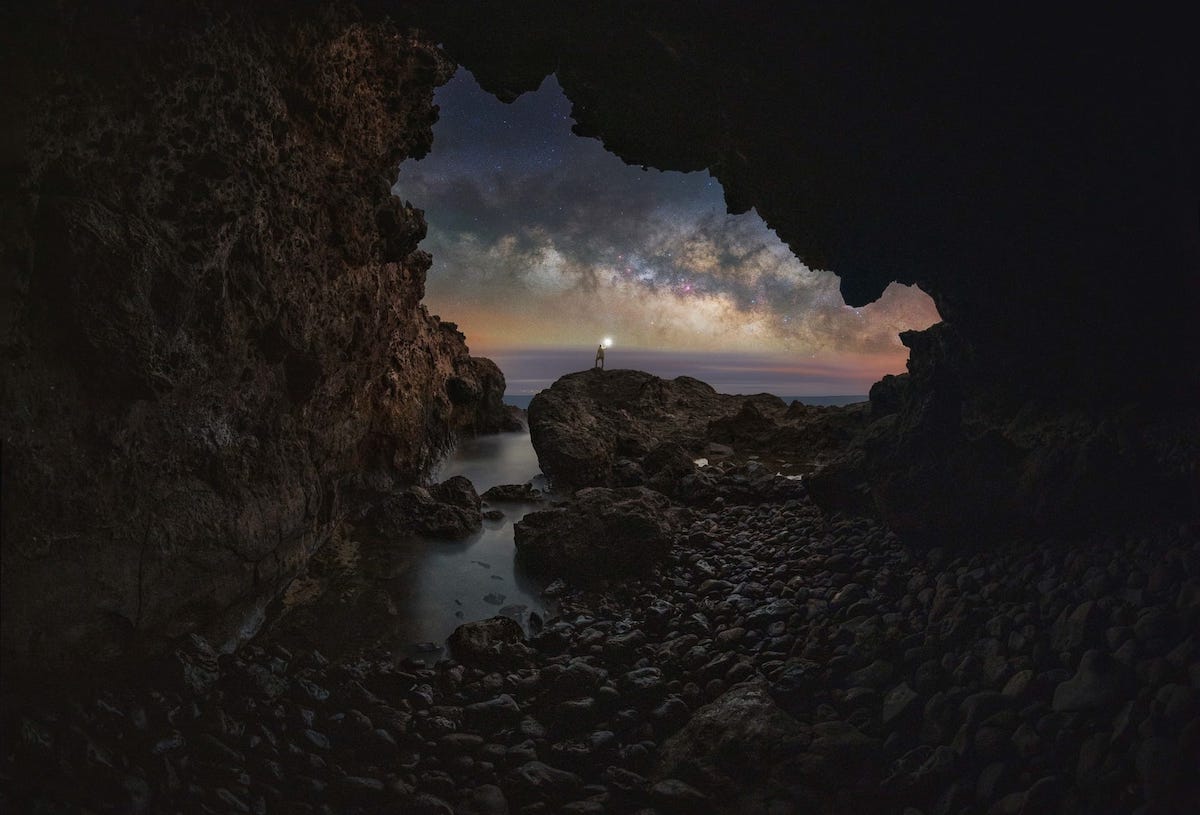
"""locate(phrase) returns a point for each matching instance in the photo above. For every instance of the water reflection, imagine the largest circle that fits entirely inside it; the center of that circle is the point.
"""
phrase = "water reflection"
(452, 582)
(406, 596)
(501, 458)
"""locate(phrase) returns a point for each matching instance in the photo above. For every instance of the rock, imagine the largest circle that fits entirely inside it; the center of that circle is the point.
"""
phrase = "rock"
(741, 734)
(673, 795)
(600, 533)
(193, 666)
(493, 713)
(842, 743)
(448, 510)
(536, 781)
(494, 643)
(236, 355)
(488, 799)
(898, 702)
(1100, 682)
(513, 493)
(1077, 627)
(596, 428)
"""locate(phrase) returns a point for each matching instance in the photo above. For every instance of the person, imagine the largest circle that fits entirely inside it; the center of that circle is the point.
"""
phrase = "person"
(599, 357)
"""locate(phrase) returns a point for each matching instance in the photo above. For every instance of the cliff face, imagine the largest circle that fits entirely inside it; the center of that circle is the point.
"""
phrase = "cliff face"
(1044, 195)
(212, 320)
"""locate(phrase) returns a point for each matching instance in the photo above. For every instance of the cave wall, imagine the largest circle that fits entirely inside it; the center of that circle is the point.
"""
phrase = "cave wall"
(1035, 171)
(212, 326)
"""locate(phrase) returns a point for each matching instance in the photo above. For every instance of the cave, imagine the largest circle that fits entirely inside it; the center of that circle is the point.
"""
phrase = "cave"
(216, 356)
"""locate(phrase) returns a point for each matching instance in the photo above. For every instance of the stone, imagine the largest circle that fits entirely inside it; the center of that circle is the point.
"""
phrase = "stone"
(540, 782)
(493, 643)
(739, 734)
(448, 510)
(1100, 682)
(513, 493)
(674, 796)
(898, 702)
(600, 533)
(493, 713)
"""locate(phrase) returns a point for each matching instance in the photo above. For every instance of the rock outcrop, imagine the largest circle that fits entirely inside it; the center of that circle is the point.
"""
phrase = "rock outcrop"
(1045, 197)
(620, 427)
(212, 317)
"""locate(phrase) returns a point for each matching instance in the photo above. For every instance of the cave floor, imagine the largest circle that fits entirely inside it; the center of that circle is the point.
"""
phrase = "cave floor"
(778, 662)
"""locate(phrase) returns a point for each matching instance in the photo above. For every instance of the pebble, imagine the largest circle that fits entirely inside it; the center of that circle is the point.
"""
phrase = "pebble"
(1009, 680)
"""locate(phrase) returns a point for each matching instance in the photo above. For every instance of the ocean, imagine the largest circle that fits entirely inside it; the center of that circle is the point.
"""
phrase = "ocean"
(522, 400)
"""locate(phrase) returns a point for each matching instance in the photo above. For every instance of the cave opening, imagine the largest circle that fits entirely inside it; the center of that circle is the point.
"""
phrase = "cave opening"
(221, 389)
(543, 243)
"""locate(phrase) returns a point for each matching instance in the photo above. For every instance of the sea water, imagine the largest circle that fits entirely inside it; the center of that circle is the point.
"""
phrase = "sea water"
(522, 400)
(407, 595)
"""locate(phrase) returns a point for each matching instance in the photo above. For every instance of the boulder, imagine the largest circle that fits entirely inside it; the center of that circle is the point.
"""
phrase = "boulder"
(610, 428)
(742, 734)
(513, 493)
(449, 510)
(494, 643)
(601, 532)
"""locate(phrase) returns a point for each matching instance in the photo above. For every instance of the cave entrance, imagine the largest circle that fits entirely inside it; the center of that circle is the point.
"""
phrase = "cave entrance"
(544, 243)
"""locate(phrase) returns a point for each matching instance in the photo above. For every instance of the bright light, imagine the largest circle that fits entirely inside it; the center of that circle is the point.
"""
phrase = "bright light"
(606, 342)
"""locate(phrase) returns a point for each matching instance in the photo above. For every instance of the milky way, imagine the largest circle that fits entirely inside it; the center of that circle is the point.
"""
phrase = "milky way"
(541, 239)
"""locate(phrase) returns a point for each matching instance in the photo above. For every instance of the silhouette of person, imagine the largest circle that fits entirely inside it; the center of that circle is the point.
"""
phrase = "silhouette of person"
(599, 357)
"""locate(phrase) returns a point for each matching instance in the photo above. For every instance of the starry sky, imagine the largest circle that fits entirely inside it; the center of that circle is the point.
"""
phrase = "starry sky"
(543, 243)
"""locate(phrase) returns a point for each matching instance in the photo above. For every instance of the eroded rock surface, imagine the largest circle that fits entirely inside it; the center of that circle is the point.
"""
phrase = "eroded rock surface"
(449, 510)
(886, 145)
(212, 317)
(600, 532)
(622, 427)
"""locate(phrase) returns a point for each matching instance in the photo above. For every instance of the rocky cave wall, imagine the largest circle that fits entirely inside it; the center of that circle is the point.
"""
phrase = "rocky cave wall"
(1035, 173)
(211, 318)
(212, 325)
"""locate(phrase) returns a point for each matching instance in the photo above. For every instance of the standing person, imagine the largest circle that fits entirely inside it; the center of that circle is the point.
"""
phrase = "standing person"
(599, 363)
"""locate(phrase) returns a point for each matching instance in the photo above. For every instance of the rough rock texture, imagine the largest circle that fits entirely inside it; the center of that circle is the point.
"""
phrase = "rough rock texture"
(211, 313)
(599, 533)
(493, 643)
(1045, 197)
(901, 679)
(513, 493)
(589, 426)
(447, 510)
(733, 742)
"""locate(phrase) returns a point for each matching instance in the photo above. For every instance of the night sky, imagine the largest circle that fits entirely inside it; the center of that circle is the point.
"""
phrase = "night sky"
(543, 243)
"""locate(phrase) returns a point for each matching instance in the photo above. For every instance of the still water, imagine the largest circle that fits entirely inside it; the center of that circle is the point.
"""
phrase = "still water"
(406, 596)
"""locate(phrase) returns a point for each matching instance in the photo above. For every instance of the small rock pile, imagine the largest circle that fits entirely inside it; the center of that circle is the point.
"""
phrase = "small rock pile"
(775, 662)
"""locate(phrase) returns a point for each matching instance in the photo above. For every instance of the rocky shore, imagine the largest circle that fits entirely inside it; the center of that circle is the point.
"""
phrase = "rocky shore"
(772, 660)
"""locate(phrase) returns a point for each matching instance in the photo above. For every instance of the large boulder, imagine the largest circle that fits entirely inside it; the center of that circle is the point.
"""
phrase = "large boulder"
(449, 510)
(495, 643)
(601, 532)
(595, 428)
(733, 746)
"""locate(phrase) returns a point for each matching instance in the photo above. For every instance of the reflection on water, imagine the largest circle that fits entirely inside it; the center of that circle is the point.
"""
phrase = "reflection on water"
(408, 595)
(500, 458)
(449, 583)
